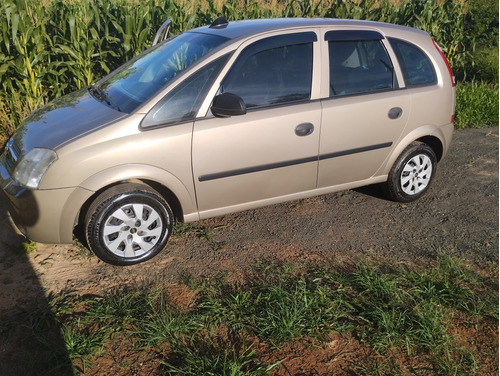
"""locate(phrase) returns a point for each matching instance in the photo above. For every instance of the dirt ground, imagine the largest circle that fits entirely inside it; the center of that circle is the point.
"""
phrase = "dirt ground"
(458, 216)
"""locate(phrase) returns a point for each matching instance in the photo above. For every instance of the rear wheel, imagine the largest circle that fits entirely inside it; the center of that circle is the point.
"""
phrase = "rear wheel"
(128, 224)
(412, 173)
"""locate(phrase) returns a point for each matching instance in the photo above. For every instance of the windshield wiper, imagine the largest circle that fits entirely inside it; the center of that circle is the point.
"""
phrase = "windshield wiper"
(101, 96)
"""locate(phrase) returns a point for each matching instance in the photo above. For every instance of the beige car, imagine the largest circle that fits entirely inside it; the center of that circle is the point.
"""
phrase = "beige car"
(230, 117)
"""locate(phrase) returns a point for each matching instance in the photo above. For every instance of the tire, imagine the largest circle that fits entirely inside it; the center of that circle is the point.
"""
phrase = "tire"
(128, 224)
(412, 173)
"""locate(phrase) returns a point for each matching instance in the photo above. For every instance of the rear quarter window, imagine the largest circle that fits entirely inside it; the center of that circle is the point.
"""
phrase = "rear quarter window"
(417, 68)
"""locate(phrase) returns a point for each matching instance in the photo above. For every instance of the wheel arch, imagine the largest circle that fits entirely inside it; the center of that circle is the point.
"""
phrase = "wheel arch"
(430, 135)
(435, 144)
(179, 197)
(166, 193)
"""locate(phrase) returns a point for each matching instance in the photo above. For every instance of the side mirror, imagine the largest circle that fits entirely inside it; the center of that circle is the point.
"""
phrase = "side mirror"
(227, 104)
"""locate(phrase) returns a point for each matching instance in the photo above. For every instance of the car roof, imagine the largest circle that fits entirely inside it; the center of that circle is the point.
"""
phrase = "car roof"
(245, 28)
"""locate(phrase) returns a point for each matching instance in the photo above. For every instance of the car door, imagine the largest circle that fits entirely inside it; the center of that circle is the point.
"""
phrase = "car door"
(365, 113)
(270, 152)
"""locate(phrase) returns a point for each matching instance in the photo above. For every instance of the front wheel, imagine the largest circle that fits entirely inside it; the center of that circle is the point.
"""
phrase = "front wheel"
(412, 173)
(128, 224)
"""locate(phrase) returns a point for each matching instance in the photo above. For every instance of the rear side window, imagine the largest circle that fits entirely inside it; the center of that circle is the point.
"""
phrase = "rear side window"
(274, 71)
(359, 63)
(415, 64)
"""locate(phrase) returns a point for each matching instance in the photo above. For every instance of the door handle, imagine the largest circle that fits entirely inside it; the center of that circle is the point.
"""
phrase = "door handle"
(304, 129)
(395, 113)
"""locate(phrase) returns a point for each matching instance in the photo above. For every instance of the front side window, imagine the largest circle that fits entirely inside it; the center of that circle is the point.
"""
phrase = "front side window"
(416, 66)
(275, 71)
(183, 103)
(134, 84)
(359, 66)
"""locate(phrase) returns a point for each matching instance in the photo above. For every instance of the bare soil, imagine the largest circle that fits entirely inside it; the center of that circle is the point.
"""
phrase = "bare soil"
(458, 216)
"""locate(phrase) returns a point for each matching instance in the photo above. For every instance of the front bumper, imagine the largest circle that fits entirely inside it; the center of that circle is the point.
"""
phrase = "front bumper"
(45, 216)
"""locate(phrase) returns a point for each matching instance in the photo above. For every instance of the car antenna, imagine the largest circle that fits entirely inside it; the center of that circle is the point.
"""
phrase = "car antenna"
(219, 23)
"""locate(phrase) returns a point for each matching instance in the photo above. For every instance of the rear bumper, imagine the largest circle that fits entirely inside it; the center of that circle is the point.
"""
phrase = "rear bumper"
(445, 134)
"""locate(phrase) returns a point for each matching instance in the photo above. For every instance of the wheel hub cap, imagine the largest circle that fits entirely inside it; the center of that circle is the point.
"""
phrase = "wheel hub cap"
(132, 230)
(416, 174)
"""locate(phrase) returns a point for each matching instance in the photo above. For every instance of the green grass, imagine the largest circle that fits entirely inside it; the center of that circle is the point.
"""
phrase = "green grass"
(392, 311)
(477, 105)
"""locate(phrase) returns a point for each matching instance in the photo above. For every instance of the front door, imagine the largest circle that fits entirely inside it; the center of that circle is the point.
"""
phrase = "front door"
(270, 152)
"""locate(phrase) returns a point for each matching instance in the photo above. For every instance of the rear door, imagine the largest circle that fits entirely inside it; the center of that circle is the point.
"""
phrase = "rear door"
(271, 151)
(365, 113)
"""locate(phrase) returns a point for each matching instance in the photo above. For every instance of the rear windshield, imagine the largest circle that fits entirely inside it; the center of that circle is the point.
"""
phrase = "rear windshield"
(135, 83)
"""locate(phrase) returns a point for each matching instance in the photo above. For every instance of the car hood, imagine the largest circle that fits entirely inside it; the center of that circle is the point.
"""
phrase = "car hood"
(63, 120)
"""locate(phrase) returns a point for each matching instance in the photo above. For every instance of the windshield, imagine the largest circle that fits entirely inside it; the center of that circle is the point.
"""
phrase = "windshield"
(134, 84)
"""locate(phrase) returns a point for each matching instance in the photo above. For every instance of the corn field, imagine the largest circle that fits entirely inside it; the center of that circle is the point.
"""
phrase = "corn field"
(52, 47)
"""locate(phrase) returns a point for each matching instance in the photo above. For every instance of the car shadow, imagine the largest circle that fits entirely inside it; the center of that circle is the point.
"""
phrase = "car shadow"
(374, 191)
(31, 342)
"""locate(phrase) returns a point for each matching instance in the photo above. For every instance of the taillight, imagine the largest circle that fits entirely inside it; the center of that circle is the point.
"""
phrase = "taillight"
(452, 77)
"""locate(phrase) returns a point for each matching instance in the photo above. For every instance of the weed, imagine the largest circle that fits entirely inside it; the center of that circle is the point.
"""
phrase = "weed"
(166, 325)
(80, 341)
(206, 358)
(183, 229)
(27, 247)
(392, 311)
(121, 310)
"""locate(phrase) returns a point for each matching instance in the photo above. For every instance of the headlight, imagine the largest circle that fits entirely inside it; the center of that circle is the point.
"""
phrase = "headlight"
(33, 166)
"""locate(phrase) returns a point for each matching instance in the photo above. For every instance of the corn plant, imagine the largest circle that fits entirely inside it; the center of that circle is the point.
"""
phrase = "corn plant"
(24, 52)
(445, 23)
(133, 28)
(50, 48)
(306, 8)
(79, 43)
